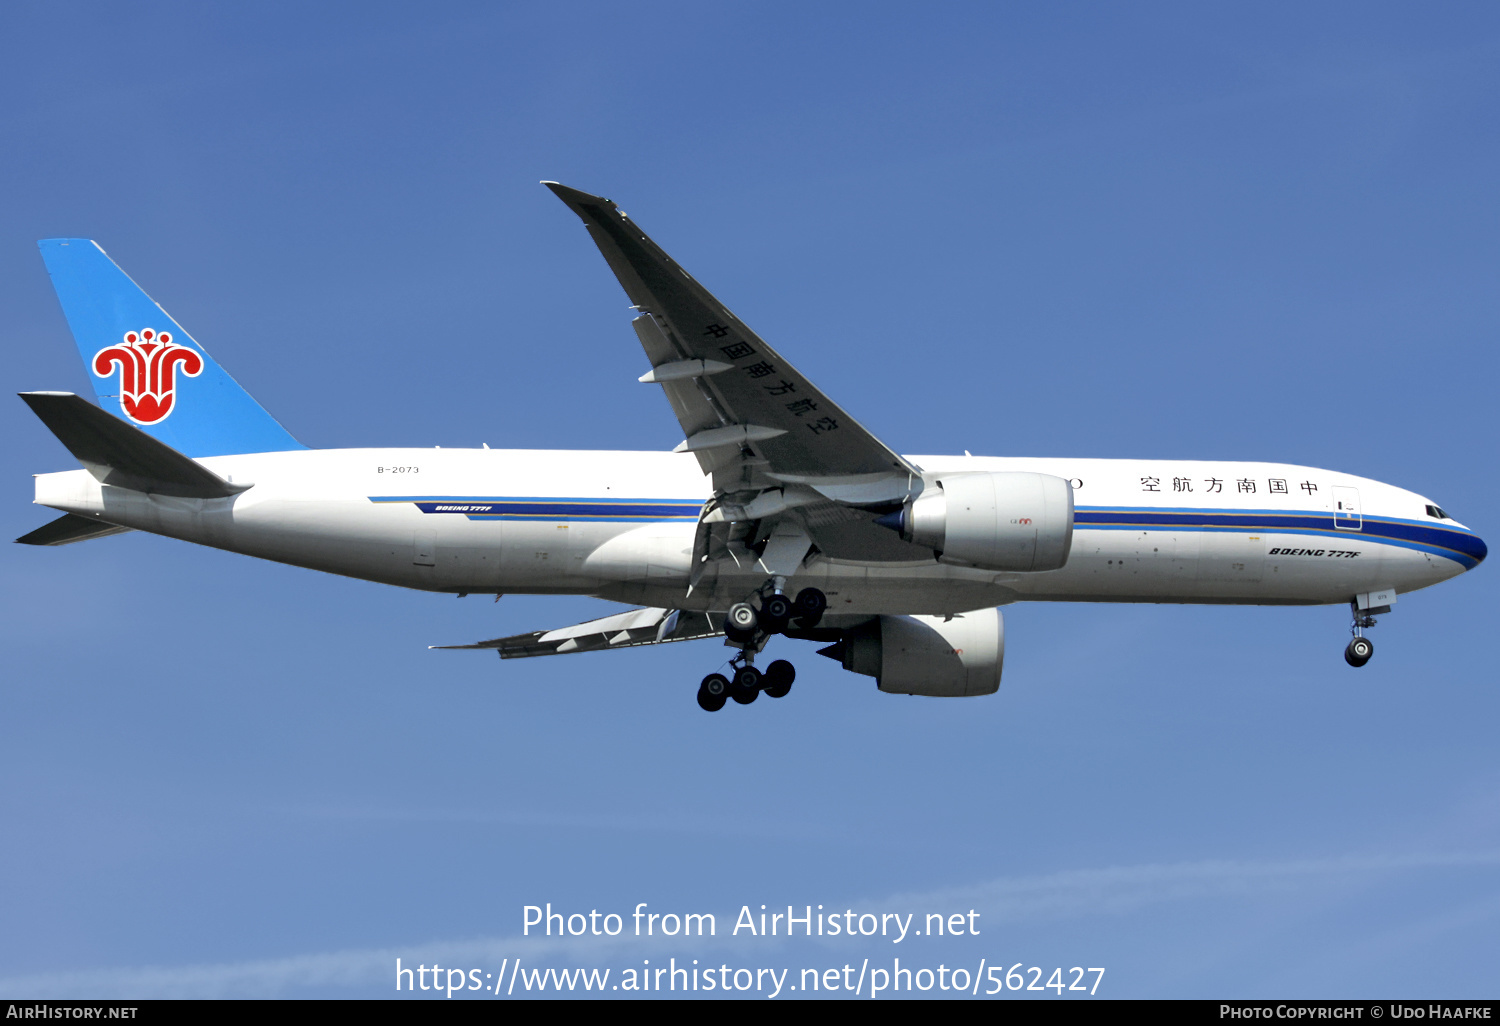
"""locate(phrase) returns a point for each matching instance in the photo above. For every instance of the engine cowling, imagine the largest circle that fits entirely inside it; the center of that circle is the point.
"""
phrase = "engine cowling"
(995, 521)
(928, 655)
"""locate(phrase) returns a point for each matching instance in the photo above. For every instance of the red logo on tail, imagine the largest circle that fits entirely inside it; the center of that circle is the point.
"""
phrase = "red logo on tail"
(148, 365)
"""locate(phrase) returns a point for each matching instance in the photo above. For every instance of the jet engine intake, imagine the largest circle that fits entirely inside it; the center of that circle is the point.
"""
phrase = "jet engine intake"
(928, 655)
(994, 521)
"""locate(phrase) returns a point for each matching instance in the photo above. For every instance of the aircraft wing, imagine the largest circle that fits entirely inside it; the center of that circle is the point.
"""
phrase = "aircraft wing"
(744, 409)
(622, 630)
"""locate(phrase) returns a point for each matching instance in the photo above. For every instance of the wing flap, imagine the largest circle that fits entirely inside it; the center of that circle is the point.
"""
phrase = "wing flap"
(629, 629)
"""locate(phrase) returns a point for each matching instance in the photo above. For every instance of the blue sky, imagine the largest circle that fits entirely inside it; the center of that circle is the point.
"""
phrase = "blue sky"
(1162, 230)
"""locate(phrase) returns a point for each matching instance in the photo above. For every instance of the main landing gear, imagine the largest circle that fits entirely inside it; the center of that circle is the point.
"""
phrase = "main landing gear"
(749, 627)
(746, 684)
(1360, 649)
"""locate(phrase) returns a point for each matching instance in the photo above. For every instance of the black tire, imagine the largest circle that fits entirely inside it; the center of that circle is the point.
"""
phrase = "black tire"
(715, 684)
(777, 607)
(1359, 652)
(748, 678)
(809, 607)
(737, 636)
(746, 685)
(779, 677)
(710, 703)
(775, 614)
(742, 619)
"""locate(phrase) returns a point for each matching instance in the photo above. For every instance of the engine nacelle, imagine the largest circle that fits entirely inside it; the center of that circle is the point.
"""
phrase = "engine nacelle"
(1002, 521)
(927, 655)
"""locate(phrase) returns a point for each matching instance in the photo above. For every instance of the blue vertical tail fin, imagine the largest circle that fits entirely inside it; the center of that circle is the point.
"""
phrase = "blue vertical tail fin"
(145, 369)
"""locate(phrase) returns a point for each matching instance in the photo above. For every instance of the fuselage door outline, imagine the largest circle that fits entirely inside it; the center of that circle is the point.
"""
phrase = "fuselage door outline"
(1346, 515)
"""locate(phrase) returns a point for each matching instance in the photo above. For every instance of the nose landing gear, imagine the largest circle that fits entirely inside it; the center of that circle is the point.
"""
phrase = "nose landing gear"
(1358, 652)
(749, 627)
(1360, 648)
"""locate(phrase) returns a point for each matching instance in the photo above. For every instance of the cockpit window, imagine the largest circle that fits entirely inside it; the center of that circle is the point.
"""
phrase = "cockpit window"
(1434, 511)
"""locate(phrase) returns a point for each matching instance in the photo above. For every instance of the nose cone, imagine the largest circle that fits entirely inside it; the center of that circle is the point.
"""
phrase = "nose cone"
(1467, 547)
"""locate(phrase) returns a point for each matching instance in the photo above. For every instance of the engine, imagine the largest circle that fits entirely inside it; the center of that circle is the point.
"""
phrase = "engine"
(928, 655)
(1000, 521)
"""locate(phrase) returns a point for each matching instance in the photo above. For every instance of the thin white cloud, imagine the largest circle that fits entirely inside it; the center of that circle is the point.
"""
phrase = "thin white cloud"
(1121, 889)
(367, 969)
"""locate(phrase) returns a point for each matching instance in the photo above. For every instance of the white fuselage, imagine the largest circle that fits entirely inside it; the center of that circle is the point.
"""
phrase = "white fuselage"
(620, 525)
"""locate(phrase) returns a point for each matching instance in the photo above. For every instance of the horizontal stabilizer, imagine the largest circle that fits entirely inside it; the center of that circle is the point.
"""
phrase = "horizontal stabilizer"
(121, 454)
(68, 528)
(622, 630)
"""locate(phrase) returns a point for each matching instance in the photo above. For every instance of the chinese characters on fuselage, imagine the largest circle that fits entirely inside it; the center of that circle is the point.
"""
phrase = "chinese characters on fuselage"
(1242, 485)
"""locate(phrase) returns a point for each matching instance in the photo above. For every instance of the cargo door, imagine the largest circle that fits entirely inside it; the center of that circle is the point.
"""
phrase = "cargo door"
(1346, 515)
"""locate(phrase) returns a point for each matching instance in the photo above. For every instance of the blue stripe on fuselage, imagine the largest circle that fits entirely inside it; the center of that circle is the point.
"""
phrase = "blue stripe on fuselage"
(1462, 546)
(540, 508)
(1453, 543)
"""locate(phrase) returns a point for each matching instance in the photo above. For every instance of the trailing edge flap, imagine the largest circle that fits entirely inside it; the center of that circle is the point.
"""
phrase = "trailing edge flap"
(622, 630)
(122, 455)
(70, 528)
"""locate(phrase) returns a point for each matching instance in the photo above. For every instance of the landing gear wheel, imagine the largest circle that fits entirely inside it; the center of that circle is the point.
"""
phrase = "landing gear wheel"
(1359, 652)
(740, 622)
(746, 685)
(809, 607)
(779, 677)
(713, 692)
(775, 612)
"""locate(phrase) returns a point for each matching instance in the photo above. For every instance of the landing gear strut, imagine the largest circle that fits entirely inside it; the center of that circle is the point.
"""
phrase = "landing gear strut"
(1360, 649)
(749, 627)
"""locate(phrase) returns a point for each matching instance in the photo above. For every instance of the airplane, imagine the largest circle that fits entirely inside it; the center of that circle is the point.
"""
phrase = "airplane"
(777, 514)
